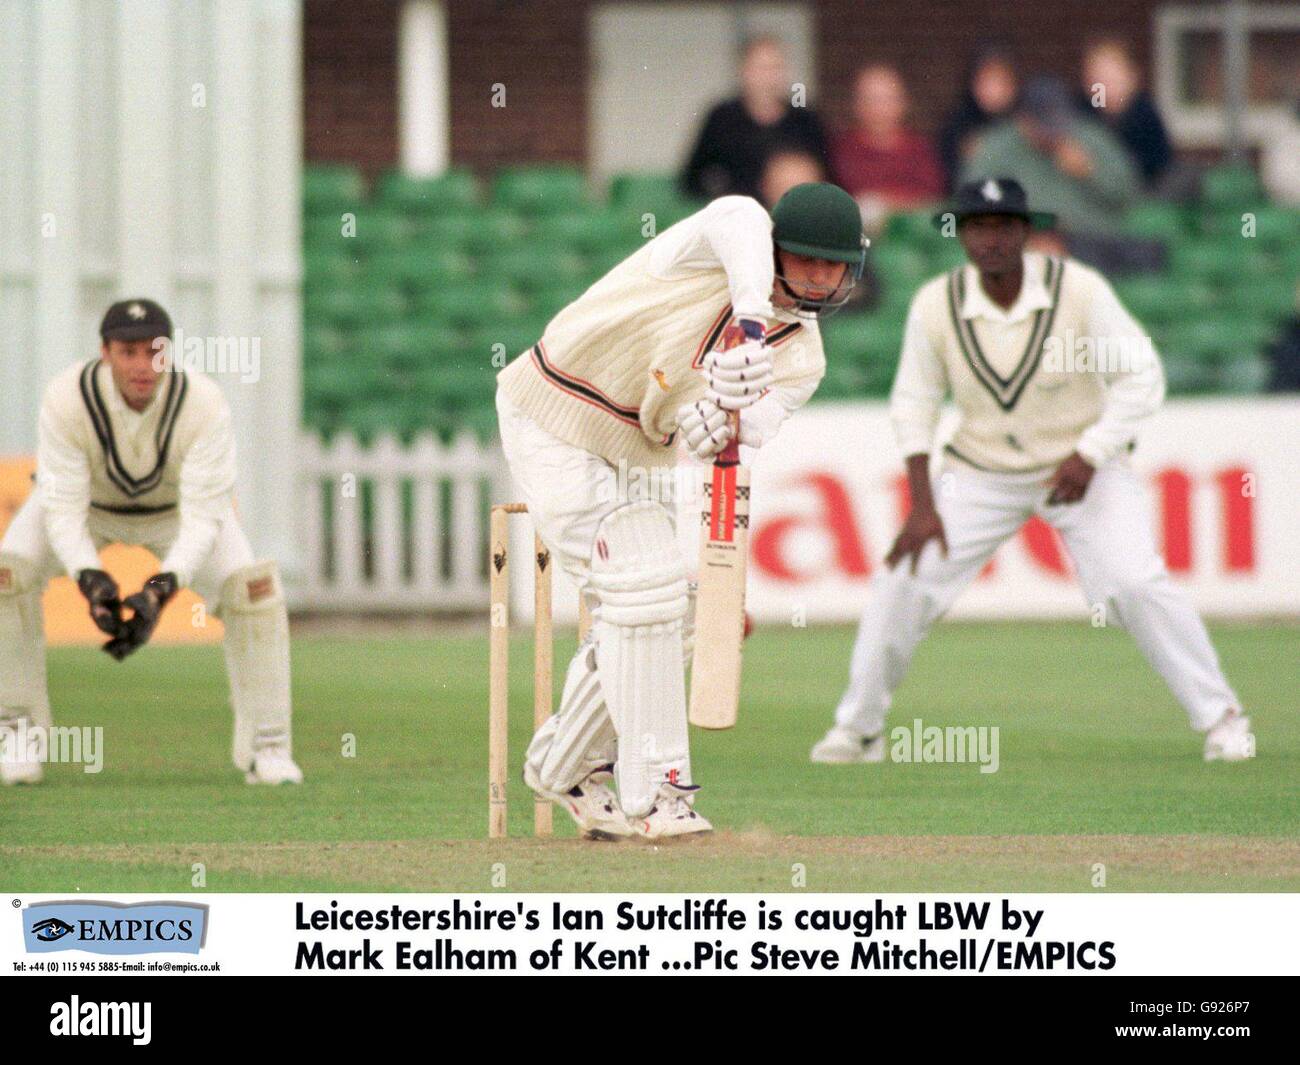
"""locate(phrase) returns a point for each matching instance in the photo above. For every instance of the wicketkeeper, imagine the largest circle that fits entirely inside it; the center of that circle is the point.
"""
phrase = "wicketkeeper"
(617, 378)
(133, 450)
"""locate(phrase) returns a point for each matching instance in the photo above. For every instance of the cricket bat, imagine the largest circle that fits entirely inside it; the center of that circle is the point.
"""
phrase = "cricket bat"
(720, 598)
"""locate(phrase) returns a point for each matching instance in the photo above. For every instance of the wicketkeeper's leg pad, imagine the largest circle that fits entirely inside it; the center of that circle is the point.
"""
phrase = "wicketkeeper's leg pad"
(23, 687)
(639, 582)
(257, 660)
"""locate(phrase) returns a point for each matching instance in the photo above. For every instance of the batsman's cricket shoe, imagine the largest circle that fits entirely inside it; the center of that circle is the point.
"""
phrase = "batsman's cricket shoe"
(16, 767)
(273, 766)
(843, 746)
(1230, 740)
(672, 814)
(592, 805)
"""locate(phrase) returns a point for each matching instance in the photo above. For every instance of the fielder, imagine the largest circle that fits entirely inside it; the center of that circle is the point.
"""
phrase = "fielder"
(133, 451)
(618, 376)
(1036, 436)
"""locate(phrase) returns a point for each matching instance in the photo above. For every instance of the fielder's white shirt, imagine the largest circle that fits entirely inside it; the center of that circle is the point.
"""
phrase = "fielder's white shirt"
(1016, 415)
(95, 451)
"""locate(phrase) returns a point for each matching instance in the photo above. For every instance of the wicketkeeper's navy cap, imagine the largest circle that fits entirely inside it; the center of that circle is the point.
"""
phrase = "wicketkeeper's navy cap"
(137, 319)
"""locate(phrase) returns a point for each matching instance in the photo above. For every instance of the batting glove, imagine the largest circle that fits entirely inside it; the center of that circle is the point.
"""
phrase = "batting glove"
(102, 594)
(740, 375)
(147, 603)
(706, 431)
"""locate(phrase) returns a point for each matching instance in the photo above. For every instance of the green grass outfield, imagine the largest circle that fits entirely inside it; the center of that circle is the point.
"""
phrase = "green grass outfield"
(1097, 766)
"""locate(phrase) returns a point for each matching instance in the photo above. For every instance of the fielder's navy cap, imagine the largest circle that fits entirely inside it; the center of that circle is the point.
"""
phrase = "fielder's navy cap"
(137, 319)
(999, 195)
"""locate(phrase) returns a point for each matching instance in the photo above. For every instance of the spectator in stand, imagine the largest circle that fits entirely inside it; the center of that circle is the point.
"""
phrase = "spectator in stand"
(1112, 92)
(1071, 165)
(785, 168)
(740, 134)
(880, 162)
(988, 96)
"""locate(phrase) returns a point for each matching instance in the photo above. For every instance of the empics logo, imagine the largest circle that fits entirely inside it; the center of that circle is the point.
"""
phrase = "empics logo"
(79, 1018)
(51, 929)
(114, 928)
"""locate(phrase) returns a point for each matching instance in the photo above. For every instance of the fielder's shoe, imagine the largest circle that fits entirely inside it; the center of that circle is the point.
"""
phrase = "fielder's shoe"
(273, 766)
(1230, 739)
(592, 805)
(843, 746)
(672, 814)
(15, 766)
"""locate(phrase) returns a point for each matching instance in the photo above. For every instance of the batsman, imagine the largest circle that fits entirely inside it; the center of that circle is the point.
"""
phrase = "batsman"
(132, 449)
(716, 315)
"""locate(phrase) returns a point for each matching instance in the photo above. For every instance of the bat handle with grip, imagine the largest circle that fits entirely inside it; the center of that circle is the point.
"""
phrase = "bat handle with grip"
(730, 455)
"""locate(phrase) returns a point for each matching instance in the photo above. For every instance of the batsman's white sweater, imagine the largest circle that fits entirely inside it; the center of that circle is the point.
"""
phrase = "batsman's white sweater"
(612, 368)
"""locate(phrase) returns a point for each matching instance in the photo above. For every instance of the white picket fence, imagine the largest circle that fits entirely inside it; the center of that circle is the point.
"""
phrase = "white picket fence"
(394, 528)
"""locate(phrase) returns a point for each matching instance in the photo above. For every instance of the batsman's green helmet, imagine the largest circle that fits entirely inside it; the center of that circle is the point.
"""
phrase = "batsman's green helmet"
(821, 221)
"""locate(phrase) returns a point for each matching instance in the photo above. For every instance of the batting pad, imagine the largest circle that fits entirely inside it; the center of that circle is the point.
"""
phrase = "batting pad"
(257, 660)
(639, 582)
(23, 688)
(580, 738)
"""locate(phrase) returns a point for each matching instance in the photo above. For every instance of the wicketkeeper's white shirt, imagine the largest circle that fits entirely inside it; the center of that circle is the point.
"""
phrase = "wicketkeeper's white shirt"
(93, 451)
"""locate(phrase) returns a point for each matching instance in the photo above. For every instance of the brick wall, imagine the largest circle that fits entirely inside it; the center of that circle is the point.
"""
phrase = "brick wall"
(349, 82)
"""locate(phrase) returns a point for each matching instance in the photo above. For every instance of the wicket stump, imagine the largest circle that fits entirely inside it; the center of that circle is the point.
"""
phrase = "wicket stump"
(499, 668)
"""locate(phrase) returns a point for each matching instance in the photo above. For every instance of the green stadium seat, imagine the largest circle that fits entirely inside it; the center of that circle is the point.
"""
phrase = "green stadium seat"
(354, 306)
(1277, 228)
(946, 256)
(899, 265)
(415, 346)
(329, 272)
(1269, 299)
(1220, 261)
(494, 230)
(549, 300)
(470, 305)
(414, 269)
(1244, 376)
(536, 190)
(458, 388)
(503, 340)
(633, 196)
(454, 190)
(1230, 186)
(327, 189)
(532, 266)
(324, 236)
(913, 229)
(323, 344)
(1155, 220)
(1154, 299)
(1188, 376)
(605, 261)
(590, 232)
(379, 230)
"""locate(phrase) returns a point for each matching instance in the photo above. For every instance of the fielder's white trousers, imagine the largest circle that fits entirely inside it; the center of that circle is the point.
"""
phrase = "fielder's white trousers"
(1109, 538)
(26, 537)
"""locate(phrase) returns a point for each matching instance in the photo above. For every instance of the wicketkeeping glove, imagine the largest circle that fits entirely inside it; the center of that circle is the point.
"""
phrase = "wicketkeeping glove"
(740, 375)
(147, 603)
(101, 593)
